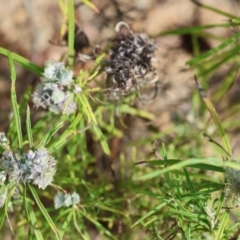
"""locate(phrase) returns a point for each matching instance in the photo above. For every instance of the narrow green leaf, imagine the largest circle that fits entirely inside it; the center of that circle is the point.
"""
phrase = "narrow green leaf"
(43, 122)
(3, 188)
(83, 231)
(188, 180)
(223, 60)
(188, 231)
(87, 109)
(226, 84)
(65, 136)
(66, 224)
(33, 225)
(91, 5)
(24, 101)
(22, 61)
(80, 138)
(99, 226)
(215, 117)
(44, 212)
(101, 138)
(194, 30)
(29, 128)
(124, 108)
(31, 218)
(152, 212)
(50, 134)
(223, 224)
(4, 210)
(165, 160)
(189, 163)
(63, 7)
(109, 209)
(188, 214)
(14, 101)
(212, 9)
(12, 68)
(202, 166)
(219, 204)
(223, 45)
(218, 124)
(180, 165)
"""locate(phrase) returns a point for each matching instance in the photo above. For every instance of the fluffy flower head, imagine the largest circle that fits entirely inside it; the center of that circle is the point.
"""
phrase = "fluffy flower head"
(54, 90)
(56, 72)
(66, 200)
(37, 167)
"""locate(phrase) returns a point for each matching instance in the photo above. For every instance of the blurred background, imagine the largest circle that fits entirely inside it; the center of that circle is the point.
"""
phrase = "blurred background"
(28, 27)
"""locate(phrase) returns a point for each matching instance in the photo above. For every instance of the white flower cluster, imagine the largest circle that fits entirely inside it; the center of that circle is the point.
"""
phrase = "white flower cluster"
(65, 200)
(53, 92)
(36, 167)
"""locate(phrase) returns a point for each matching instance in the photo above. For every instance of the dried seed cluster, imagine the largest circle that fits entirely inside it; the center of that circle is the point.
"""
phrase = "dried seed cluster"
(129, 65)
(53, 92)
(36, 167)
